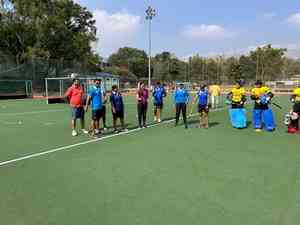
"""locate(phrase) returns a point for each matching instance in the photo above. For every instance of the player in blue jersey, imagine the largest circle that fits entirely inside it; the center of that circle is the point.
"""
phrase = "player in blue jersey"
(203, 106)
(95, 98)
(103, 109)
(117, 107)
(181, 98)
(159, 93)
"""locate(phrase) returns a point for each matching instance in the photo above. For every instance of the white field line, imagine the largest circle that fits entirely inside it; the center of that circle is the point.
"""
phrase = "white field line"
(66, 147)
(32, 112)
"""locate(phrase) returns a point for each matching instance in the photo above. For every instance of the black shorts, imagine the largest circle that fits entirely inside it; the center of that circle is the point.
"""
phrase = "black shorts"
(118, 115)
(203, 108)
(158, 105)
(296, 107)
(237, 106)
(77, 113)
(103, 111)
(261, 106)
(96, 114)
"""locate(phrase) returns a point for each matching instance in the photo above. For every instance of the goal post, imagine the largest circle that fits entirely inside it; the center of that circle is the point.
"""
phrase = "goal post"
(56, 87)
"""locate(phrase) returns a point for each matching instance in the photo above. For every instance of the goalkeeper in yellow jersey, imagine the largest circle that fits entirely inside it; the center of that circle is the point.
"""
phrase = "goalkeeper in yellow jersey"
(237, 98)
(262, 114)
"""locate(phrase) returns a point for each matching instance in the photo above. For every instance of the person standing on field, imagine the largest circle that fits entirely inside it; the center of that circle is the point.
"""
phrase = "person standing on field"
(202, 97)
(95, 97)
(142, 104)
(117, 108)
(76, 96)
(215, 93)
(159, 93)
(103, 110)
(181, 98)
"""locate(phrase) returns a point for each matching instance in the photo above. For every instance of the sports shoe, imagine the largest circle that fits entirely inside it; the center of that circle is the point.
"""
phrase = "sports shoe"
(159, 120)
(116, 131)
(125, 130)
(97, 131)
(258, 130)
(155, 119)
(105, 128)
(74, 133)
(84, 131)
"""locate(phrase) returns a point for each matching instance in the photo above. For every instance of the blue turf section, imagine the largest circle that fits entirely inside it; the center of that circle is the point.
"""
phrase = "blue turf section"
(238, 118)
(268, 119)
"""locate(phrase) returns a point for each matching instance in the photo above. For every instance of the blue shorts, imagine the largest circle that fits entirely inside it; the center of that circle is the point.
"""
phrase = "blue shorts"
(158, 105)
(77, 113)
(203, 108)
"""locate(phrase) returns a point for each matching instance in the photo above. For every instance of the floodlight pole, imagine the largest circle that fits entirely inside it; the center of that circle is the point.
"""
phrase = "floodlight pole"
(150, 13)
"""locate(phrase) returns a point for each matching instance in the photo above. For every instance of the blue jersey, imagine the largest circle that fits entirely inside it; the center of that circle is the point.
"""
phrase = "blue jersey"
(116, 101)
(181, 95)
(158, 94)
(96, 96)
(202, 97)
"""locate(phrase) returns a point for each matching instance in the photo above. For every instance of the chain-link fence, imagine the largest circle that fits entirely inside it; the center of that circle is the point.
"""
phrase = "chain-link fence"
(35, 70)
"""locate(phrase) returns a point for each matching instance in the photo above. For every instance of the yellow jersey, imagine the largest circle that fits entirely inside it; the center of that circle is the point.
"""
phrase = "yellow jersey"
(237, 94)
(258, 92)
(215, 90)
(296, 93)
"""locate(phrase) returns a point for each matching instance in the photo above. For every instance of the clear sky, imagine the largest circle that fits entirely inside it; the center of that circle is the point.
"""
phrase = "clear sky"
(191, 27)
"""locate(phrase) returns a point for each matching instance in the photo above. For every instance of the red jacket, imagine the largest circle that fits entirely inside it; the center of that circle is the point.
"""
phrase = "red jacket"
(76, 96)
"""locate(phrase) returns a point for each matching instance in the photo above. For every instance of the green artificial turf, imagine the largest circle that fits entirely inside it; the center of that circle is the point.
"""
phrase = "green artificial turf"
(157, 176)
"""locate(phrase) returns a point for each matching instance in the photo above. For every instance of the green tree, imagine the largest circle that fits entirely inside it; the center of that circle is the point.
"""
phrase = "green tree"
(248, 68)
(58, 29)
(162, 66)
(133, 59)
(291, 67)
(269, 62)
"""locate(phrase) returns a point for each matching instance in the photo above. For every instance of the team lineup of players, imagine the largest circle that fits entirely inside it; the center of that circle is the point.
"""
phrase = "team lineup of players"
(205, 98)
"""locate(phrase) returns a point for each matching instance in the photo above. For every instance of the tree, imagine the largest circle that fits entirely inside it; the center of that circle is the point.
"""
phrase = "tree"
(133, 59)
(269, 62)
(58, 29)
(162, 66)
(291, 67)
(248, 68)
(197, 68)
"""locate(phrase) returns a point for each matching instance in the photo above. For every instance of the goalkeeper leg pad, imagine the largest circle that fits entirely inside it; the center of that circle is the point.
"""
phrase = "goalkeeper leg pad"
(238, 118)
(268, 120)
(257, 118)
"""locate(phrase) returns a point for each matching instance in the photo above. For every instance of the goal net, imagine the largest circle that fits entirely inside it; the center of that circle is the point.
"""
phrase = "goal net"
(57, 87)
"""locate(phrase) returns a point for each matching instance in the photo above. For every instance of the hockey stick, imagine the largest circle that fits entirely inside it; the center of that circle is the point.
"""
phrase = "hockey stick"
(278, 106)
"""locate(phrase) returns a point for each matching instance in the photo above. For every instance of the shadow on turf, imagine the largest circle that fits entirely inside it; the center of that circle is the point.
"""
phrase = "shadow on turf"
(131, 126)
(249, 123)
(211, 124)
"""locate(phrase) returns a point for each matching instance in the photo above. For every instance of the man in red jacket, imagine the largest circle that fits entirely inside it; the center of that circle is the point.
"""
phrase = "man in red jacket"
(75, 95)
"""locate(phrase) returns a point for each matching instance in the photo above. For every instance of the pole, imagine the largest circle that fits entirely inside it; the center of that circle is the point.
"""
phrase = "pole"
(257, 62)
(149, 56)
(150, 13)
